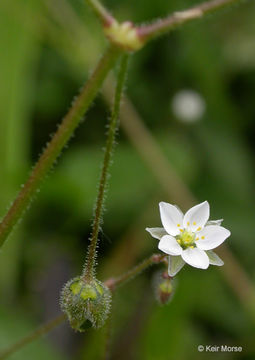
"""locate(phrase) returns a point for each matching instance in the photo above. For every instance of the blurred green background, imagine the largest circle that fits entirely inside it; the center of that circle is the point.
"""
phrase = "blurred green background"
(47, 50)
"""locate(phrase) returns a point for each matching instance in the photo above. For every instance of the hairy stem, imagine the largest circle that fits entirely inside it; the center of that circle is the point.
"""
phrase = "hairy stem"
(159, 27)
(101, 12)
(58, 141)
(40, 331)
(170, 182)
(146, 145)
(112, 283)
(113, 126)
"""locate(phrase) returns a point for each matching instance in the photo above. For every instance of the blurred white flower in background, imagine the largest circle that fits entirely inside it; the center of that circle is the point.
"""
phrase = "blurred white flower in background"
(188, 105)
(189, 238)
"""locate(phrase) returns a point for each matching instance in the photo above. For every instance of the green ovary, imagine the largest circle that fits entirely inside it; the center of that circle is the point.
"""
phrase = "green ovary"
(85, 291)
(186, 239)
(88, 292)
(76, 287)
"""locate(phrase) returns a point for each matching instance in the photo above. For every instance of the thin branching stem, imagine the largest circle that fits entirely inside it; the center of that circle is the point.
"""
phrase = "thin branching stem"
(112, 283)
(101, 12)
(161, 26)
(40, 331)
(82, 102)
(113, 127)
(58, 141)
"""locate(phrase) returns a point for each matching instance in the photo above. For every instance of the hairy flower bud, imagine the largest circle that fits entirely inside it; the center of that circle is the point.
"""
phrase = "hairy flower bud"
(86, 304)
(163, 284)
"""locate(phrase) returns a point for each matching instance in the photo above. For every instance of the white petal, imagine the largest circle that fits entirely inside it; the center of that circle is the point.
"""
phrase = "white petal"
(214, 222)
(169, 245)
(214, 259)
(157, 233)
(196, 257)
(175, 264)
(171, 218)
(211, 237)
(196, 217)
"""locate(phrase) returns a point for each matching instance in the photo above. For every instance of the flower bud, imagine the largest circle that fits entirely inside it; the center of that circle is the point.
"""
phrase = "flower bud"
(163, 288)
(86, 304)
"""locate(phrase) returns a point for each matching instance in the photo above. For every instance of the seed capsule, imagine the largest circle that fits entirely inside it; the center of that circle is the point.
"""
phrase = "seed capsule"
(163, 288)
(86, 304)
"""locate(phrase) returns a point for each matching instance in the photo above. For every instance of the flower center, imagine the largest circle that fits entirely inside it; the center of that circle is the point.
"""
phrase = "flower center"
(186, 239)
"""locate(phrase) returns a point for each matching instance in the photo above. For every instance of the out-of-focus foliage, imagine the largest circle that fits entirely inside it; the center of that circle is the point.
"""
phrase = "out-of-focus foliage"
(47, 49)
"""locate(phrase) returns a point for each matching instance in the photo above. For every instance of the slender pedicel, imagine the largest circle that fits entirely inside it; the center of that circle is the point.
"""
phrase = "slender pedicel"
(113, 126)
(162, 26)
(101, 12)
(58, 141)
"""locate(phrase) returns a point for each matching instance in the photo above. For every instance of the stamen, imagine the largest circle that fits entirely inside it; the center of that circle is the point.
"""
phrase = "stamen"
(186, 239)
(202, 237)
(199, 228)
(194, 223)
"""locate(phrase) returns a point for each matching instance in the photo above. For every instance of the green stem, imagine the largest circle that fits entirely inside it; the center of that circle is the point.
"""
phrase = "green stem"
(59, 140)
(113, 283)
(113, 126)
(159, 27)
(40, 331)
(101, 12)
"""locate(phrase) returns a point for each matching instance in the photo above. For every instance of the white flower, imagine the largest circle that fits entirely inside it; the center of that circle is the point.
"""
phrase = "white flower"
(189, 238)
